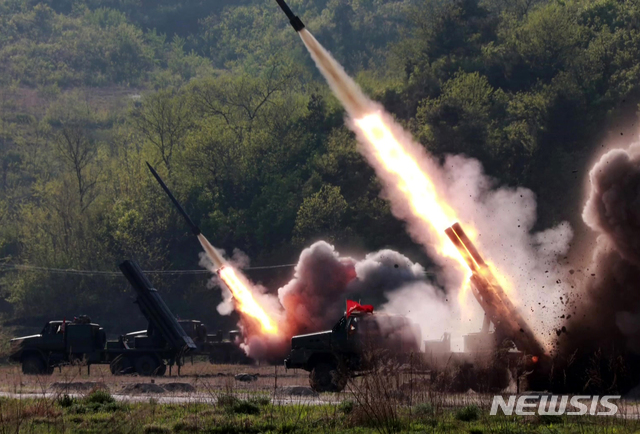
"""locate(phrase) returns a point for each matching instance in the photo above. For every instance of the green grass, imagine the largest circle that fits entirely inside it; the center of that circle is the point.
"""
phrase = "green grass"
(101, 415)
(468, 413)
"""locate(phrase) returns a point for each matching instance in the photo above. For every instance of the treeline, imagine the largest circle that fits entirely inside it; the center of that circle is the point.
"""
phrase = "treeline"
(223, 100)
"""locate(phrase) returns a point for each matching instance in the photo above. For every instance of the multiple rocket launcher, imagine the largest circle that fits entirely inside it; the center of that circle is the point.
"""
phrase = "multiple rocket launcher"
(485, 287)
(494, 301)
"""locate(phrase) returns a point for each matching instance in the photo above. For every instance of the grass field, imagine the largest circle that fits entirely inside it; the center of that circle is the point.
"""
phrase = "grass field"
(217, 403)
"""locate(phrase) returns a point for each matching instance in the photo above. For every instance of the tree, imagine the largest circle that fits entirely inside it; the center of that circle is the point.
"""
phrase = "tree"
(321, 215)
(164, 118)
(79, 152)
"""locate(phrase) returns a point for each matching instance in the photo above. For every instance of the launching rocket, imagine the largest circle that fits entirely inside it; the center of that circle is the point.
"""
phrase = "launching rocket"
(216, 257)
(293, 19)
(195, 229)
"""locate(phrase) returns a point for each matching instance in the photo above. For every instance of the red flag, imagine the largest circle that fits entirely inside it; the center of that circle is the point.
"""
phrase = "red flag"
(355, 307)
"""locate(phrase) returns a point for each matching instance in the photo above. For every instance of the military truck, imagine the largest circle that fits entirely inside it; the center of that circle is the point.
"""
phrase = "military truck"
(81, 341)
(213, 346)
(224, 351)
(331, 357)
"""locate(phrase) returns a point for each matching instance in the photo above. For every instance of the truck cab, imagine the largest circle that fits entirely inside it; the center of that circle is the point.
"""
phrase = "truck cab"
(59, 342)
(332, 356)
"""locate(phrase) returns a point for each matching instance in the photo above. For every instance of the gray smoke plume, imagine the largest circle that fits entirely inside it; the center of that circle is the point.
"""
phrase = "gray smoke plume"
(612, 283)
(314, 299)
(613, 207)
(603, 323)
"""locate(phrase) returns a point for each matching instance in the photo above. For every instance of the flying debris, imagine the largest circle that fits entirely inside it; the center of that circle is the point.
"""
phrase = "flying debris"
(195, 229)
(293, 19)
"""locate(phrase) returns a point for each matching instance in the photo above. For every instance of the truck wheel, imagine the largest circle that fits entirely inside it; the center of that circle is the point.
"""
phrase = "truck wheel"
(327, 377)
(120, 365)
(147, 365)
(34, 365)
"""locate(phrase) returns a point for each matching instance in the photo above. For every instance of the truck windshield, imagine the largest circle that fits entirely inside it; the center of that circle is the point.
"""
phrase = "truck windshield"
(340, 325)
(51, 328)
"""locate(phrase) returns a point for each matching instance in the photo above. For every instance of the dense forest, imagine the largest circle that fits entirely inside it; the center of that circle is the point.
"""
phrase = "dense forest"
(222, 98)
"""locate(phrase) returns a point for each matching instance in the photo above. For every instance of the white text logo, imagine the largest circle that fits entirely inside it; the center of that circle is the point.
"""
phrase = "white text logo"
(529, 405)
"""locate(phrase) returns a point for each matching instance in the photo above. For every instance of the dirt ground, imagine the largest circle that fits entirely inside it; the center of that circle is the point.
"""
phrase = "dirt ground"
(200, 377)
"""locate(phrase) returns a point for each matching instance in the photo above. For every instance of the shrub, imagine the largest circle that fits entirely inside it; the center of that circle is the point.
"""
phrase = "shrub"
(155, 429)
(475, 431)
(468, 413)
(227, 401)
(346, 407)
(423, 410)
(78, 409)
(245, 407)
(99, 396)
(110, 407)
(66, 401)
(260, 400)
(183, 426)
(550, 419)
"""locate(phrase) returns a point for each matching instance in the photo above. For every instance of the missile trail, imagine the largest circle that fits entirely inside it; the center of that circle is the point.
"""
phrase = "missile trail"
(244, 300)
(410, 176)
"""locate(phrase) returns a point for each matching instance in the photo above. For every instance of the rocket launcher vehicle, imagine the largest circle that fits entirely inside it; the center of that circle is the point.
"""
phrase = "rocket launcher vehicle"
(494, 301)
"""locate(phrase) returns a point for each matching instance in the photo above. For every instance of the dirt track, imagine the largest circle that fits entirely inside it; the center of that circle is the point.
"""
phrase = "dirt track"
(200, 382)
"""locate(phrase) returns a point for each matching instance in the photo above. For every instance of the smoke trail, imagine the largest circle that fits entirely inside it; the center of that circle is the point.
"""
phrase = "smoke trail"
(501, 218)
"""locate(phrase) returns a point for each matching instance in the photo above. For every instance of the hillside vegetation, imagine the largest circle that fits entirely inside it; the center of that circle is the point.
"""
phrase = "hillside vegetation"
(221, 97)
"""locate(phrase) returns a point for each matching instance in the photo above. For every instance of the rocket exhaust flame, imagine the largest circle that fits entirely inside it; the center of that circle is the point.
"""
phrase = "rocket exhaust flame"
(389, 153)
(244, 299)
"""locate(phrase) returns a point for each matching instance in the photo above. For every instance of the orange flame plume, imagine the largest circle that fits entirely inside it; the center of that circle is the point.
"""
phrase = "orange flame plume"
(244, 300)
(412, 180)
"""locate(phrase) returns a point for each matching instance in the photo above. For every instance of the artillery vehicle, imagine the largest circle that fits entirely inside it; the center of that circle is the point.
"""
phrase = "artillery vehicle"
(331, 357)
(213, 346)
(82, 342)
(489, 357)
